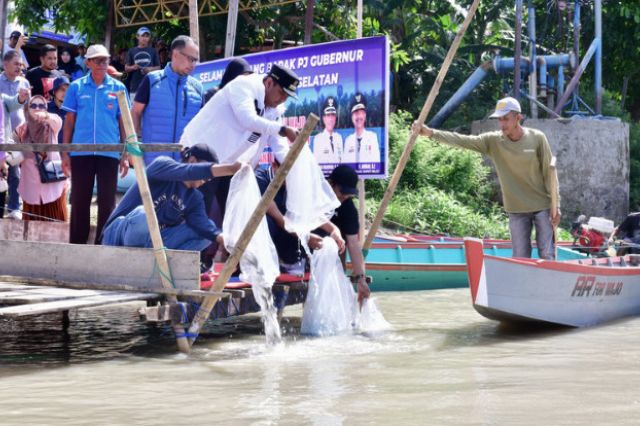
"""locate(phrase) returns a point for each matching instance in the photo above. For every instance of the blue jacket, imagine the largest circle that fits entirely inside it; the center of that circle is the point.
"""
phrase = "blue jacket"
(174, 203)
(173, 101)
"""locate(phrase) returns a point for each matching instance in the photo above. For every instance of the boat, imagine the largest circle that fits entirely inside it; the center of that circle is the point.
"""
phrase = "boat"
(429, 263)
(575, 293)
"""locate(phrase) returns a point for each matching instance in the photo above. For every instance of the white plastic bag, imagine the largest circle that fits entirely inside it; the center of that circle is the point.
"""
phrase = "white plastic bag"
(259, 262)
(310, 199)
(331, 306)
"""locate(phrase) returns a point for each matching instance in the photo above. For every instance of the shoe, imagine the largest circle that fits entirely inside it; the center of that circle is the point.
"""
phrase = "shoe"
(15, 214)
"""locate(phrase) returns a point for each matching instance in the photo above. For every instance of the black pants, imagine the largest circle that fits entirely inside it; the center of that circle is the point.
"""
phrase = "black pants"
(84, 170)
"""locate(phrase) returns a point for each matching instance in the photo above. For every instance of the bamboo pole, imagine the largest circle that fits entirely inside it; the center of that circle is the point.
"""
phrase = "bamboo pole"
(88, 147)
(250, 228)
(435, 89)
(232, 22)
(553, 184)
(152, 220)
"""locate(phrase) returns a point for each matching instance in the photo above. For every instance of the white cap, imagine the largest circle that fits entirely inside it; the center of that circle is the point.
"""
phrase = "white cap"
(97, 51)
(505, 106)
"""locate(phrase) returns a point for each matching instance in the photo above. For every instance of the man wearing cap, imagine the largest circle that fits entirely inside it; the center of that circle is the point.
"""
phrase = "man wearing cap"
(93, 117)
(41, 78)
(60, 86)
(343, 180)
(168, 99)
(327, 146)
(184, 224)
(16, 41)
(521, 156)
(362, 146)
(15, 91)
(141, 60)
(243, 117)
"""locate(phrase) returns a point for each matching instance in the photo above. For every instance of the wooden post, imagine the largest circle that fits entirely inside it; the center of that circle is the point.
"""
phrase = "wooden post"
(553, 184)
(3, 22)
(109, 30)
(152, 220)
(421, 119)
(232, 21)
(232, 262)
(308, 22)
(194, 29)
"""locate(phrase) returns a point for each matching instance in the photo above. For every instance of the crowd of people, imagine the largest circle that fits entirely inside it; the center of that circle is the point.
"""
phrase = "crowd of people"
(72, 100)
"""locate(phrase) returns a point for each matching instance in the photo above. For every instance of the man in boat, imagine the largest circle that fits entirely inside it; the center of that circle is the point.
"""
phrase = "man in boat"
(521, 156)
(183, 221)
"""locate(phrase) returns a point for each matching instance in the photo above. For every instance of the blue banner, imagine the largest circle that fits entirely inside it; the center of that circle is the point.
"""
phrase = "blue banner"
(346, 83)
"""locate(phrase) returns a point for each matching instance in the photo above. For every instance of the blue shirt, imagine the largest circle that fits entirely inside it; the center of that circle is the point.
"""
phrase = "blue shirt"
(97, 112)
(174, 203)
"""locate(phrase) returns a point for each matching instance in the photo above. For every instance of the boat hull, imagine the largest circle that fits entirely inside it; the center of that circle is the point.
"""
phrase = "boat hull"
(566, 293)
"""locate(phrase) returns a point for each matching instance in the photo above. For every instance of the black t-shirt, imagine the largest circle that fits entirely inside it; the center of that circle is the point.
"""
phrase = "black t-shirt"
(144, 57)
(346, 218)
(144, 91)
(41, 81)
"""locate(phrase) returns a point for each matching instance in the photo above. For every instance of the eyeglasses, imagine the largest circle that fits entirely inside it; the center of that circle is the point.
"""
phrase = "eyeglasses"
(38, 106)
(100, 61)
(191, 59)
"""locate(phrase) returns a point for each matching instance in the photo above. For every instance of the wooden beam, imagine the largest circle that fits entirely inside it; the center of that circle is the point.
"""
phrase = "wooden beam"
(99, 147)
(258, 215)
(41, 282)
(102, 265)
(308, 22)
(194, 28)
(163, 269)
(65, 305)
(433, 93)
(232, 22)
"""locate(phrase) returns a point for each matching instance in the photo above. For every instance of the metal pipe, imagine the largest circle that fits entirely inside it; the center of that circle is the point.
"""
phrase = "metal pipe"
(460, 95)
(518, 50)
(598, 59)
(502, 65)
(577, 28)
(533, 89)
(541, 105)
(542, 72)
(560, 88)
(576, 77)
(550, 91)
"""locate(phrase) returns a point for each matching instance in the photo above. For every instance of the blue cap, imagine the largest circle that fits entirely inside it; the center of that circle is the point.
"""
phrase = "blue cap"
(59, 81)
(143, 30)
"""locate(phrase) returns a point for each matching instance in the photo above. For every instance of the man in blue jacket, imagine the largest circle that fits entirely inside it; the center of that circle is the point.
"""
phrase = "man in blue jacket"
(168, 99)
(178, 204)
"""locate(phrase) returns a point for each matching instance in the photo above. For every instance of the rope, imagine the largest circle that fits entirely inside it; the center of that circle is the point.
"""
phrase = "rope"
(162, 274)
(132, 146)
(49, 219)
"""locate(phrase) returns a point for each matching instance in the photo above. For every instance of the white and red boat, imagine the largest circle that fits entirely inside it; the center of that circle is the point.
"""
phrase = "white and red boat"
(575, 293)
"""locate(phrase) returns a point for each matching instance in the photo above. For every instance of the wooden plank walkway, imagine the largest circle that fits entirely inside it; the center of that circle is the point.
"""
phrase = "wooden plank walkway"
(18, 300)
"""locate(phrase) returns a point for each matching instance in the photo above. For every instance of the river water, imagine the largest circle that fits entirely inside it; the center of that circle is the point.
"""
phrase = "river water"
(442, 363)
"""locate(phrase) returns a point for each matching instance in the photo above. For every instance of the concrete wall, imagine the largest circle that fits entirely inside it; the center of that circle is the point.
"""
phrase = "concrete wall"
(592, 161)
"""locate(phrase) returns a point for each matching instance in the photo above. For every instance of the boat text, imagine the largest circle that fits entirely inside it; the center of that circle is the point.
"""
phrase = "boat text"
(587, 286)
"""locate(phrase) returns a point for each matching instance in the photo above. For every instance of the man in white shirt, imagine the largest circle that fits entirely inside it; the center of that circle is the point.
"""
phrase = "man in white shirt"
(362, 146)
(327, 146)
(246, 115)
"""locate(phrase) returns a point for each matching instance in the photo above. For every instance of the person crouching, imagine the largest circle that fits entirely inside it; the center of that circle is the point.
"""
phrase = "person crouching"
(180, 209)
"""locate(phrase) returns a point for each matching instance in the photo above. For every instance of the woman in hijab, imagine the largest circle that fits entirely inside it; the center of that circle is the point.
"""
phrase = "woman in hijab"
(235, 68)
(68, 66)
(40, 201)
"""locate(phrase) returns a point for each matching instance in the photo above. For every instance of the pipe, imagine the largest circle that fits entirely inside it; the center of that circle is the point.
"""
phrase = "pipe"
(533, 90)
(461, 94)
(542, 71)
(576, 77)
(501, 65)
(551, 84)
(577, 28)
(560, 88)
(598, 59)
(518, 50)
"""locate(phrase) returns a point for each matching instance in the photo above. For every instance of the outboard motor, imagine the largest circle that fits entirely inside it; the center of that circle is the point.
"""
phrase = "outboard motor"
(592, 237)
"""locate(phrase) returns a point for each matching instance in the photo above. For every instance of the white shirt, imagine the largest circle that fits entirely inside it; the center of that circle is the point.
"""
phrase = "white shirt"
(366, 151)
(327, 147)
(236, 123)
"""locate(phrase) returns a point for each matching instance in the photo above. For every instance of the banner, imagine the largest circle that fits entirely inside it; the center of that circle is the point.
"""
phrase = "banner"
(346, 83)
